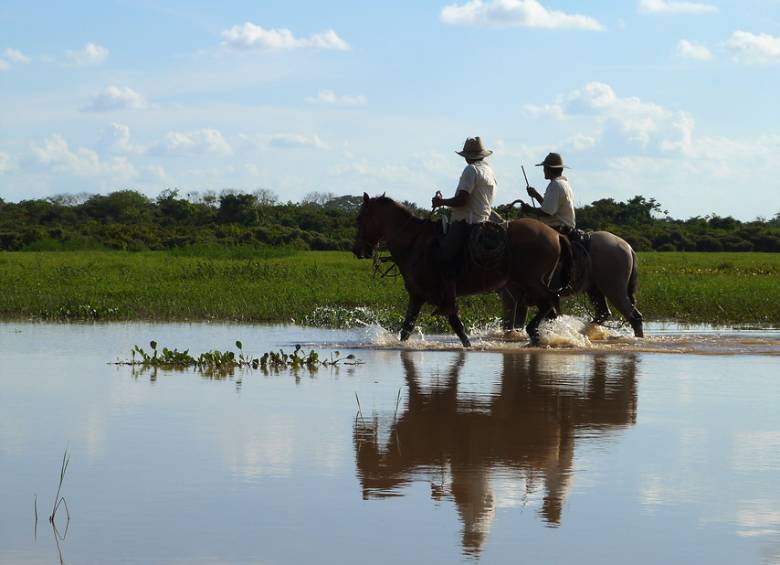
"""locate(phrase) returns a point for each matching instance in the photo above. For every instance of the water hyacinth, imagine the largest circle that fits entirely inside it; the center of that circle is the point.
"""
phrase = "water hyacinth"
(166, 358)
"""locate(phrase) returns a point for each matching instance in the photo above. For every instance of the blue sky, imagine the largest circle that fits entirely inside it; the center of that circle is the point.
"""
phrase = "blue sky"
(674, 100)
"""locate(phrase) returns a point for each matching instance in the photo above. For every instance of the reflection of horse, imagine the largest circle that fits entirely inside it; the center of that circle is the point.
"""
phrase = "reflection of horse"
(535, 250)
(608, 270)
(528, 426)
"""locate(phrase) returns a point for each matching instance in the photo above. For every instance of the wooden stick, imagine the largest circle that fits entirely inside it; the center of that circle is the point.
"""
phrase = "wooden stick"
(528, 185)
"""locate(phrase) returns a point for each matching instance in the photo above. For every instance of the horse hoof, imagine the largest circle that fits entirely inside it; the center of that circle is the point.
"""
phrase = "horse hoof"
(466, 344)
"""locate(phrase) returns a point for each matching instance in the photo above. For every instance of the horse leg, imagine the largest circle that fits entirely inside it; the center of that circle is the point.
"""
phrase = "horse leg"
(514, 309)
(627, 307)
(459, 329)
(546, 306)
(412, 311)
(599, 302)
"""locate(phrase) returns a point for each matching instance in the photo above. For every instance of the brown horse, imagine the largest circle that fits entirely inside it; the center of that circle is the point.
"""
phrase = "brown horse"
(534, 253)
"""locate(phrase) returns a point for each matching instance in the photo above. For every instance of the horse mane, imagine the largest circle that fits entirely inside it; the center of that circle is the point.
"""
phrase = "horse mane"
(400, 207)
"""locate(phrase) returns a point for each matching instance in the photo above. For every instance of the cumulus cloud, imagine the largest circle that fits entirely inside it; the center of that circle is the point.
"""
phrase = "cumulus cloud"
(690, 50)
(16, 56)
(55, 154)
(5, 163)
(514, 13)
(754, 49)
(295, 141)
(90, 54)
(250, 36)
(645, 123)
(330, 97)
(670, 7)
(116, 139)
(116, 98)
(199, 142)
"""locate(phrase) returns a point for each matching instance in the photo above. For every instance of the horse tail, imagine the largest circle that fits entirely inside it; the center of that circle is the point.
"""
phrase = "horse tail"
(567, 263)
(632, 279)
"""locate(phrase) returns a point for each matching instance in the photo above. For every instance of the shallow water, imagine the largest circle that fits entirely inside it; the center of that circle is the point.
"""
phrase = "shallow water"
(607, 450)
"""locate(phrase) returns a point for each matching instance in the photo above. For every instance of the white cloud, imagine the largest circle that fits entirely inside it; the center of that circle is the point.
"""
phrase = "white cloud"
(554, 111)
(4, 66)
(514, 13)
(330, 97)
(199, 142)
(581, 142)
(54, 154)
(753, 48)
(116, 98)
(250, 36)
(690, 50)
(90, 54)
(5, 163)
(630, 118)
(16, 56)
(295, 140)
(116, 139)
(670, 7)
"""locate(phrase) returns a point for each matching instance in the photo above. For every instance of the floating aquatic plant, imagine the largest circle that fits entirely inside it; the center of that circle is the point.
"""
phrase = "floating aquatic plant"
(216, 360)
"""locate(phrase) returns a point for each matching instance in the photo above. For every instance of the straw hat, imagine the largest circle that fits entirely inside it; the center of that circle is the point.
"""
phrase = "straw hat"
(473, 149)
(554, 161)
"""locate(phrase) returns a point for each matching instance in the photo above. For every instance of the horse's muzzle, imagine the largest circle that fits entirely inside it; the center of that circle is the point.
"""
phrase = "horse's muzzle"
(362, 250)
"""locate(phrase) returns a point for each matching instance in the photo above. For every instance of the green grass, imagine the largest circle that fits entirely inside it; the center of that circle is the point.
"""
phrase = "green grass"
(741, 288)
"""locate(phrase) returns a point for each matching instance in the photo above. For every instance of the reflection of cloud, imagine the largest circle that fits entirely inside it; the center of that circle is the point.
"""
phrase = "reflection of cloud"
(756, 451)
(758, 518)
(264, 450)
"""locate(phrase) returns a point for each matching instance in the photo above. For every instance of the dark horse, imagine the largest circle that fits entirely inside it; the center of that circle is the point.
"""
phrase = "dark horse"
(534, 253)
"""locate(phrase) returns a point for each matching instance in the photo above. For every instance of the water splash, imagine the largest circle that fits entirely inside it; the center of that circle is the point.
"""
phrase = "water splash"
(347, 317)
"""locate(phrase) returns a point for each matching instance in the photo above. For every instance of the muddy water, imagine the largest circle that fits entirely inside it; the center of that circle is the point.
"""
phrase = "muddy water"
(597, 448)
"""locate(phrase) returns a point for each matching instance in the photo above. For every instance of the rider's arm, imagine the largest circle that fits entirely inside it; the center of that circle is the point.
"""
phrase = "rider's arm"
(465, 186)
(460, 199)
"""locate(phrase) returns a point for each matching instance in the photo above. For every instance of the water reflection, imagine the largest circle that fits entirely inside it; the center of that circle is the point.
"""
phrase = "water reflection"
(523, 427)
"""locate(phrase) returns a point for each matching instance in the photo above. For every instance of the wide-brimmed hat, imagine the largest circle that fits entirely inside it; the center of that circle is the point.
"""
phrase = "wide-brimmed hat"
(554, 161)
(473, 149)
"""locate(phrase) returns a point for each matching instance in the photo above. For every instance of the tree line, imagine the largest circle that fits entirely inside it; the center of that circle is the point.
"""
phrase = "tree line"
(129, 220)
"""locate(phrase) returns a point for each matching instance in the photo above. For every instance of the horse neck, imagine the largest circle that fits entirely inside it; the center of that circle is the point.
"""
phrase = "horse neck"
(400, 229)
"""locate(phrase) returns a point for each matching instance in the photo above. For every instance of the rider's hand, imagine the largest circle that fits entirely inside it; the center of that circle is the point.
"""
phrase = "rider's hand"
(532, 192)
(437, 200)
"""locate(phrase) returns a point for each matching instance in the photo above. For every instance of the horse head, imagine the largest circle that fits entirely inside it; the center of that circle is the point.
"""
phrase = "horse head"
(369, 230)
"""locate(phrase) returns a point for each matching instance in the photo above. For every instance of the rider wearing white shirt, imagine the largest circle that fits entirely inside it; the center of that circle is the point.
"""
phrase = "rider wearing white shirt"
(472, 204)
(557, 203)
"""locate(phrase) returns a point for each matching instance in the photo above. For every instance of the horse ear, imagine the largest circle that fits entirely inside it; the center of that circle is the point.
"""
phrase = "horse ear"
(365, 197)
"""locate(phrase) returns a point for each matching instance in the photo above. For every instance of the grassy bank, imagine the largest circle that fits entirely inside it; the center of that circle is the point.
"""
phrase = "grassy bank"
(283, 285)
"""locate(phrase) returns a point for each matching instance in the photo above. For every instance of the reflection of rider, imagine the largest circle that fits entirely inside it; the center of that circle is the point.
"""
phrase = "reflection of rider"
(557, 203)
(471, 204)
(527, 428)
